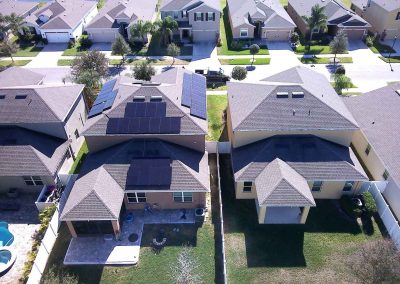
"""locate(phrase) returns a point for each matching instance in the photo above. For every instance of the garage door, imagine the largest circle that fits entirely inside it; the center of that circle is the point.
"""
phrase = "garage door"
(57, 37)
(354, 34)
(277, 35)
(204, 36)
(102, 36)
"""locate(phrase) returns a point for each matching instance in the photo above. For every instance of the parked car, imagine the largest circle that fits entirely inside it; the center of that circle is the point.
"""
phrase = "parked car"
(214, 77)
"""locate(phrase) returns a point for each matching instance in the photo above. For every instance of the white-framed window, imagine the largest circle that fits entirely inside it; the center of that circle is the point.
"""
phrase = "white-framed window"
(183, 197)
(136, 197)
(247, 186)
(368, 149)
(317, 185)
(385, 174)
(210, 16)
(198, 16)
(32, 180)
(184, 14)
(244, 32)
(315, 30)
(348, 186)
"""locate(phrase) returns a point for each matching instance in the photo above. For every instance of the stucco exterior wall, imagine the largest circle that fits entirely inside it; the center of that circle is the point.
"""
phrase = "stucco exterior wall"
(76, 121)
(165, 201)
(245, 195)
(18, 182)
(55, 129)
(391, 194)
(236, 31)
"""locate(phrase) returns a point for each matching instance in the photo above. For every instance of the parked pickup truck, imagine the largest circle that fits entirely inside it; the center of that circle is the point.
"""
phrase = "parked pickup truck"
(214, 77)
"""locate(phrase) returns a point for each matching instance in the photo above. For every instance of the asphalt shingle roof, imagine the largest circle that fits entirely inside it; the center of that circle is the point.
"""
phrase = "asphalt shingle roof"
(7, 7)
(177, 5)
(17, 76)
(388, 5)
(377, 113)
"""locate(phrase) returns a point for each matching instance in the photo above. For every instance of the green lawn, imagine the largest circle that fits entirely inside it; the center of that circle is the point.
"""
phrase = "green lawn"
(64, 62)
(76, 49)
(313, 49)
(26, 51)
(245, 61)
(393, 59)
(379, 47)
(226, 36)
(152, 61)
(156, 49)
(9, 63)
(325, 60)
(313, 253)
(219, 88)
(80, 157)
(216, 104)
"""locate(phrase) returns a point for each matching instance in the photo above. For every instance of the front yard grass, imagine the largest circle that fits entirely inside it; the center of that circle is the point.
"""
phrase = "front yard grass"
(76, 49)
(393, 59)
(156, 49)
(80, 157)
(245, 61)
(28, 51)
(317, 252)
(379, 47)
(151, 61)
(325, 60)
(9, 63)
(216, 105)
(64, 62)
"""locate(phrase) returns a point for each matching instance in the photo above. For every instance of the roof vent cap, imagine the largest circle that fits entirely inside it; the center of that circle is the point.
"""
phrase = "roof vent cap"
(282, 95)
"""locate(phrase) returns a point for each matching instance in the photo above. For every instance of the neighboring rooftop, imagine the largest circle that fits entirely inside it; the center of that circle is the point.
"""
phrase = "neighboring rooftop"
(377, 113)
(177, 5)
(271, 12)
(62, 14)
(388, 5)
(138, 165)
(27, 153)
(338, 14)
(7, 7)
(296, 99)
(17, 76)
(35, 104)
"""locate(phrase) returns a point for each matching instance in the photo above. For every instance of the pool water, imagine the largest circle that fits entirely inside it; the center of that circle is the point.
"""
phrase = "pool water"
(5, 256)
(6, 238)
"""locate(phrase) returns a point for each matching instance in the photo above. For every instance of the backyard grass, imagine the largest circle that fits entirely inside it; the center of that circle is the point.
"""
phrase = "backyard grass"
(80, 157)
(216, 104)
(64, 62)
(226, 36)
(219, 88)
(317, 252)
(379, 47)
(245, 61)
(325, 60)
(9, 63)
(393, 59)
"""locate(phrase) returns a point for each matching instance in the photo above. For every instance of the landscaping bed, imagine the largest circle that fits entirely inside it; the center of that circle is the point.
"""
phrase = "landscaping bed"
(216, 104)
(325, 60)
(245, 61)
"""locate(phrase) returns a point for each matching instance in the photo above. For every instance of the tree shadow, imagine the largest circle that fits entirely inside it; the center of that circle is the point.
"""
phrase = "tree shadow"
(176, 234)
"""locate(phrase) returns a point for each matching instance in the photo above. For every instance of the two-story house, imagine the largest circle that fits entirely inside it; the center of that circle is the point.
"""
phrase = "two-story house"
(147, 150)
(197, 19)
(290, 136)
(383, 15)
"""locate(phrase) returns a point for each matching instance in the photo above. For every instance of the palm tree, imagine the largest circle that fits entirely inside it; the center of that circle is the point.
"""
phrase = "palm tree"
(8, 48)
(165, 29)
(317, 19)
(14, 22)
(141, 29)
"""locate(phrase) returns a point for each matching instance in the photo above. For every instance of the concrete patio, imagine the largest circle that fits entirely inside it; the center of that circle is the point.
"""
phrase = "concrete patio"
(98, 250)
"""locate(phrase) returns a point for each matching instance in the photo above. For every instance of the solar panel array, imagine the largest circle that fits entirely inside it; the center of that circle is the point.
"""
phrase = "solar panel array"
(149, 172)
(194, 94)
(105, 99)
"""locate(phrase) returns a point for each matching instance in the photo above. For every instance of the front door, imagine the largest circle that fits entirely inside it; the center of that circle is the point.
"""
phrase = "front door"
(185, 34)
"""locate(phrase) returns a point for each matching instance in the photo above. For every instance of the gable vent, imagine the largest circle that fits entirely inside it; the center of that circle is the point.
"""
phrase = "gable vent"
(297, 95)
(282, 95)
(139, 98)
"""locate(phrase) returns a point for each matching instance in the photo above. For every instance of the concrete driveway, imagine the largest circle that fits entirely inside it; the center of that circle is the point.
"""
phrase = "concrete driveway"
(104, 47)
(362, 54)
(49, 56)
(205, 56)
(282, 54)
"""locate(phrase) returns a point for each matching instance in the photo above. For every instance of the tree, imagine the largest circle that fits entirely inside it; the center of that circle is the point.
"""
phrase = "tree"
(14, 23)
(342, 82)
(376, 261)
(140, 30)
(120, 47)
(339, 44)
(143, 71)
(8, 48)
(294, 38)
(165, 28)
(318, 19)
(239, 73)
(254, 49)
(184, 270)
(173, 50)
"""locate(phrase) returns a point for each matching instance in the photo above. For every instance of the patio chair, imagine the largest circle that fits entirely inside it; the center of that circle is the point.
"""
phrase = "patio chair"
(3, 224)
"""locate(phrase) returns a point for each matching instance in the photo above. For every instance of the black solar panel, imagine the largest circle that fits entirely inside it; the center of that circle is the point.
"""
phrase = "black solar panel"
(143, 109)
(144, 125)
(149, 172)
(199, 97)
(187, 90)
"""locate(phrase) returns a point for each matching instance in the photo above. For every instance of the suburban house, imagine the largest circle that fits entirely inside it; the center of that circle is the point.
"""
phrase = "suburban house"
(116, 17)
(266, 19)
(377, 113)
(147, 150)
(198, 20)
(339, 17)
(17, 76)
(290, 136)
(62, 20)
(39, 130)
(383, 15)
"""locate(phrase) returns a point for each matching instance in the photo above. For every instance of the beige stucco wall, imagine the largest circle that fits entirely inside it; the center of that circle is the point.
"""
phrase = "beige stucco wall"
(165, 201)
(245, 195)
(76, 121)
(18, 182)
(204, 25)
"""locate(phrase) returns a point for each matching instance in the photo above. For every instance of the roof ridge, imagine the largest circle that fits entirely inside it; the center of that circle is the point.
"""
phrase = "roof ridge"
(36, 154)
(34, 90)
(188, 170)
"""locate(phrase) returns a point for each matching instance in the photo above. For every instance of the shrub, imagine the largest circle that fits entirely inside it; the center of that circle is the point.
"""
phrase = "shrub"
(340, 70)
(239, 73)
(369, 203)
(85, 42)
(294, 38)
(143, 71)
(236, 45)
(219, 41)
(369, 41)
(71, 43)
(349, 206)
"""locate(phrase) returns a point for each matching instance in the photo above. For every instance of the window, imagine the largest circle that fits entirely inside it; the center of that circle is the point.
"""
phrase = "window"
(398, 16)
(184, 14)
(244, 32)
(198, 16)
(76, 133)
(247, 186)
(210, 16)
(317, 185)
(136, 197)
(348, 186)
(33, 180)
(315, 30)
(183, 197)
(385, 175)
(176, 14)
(368, 149)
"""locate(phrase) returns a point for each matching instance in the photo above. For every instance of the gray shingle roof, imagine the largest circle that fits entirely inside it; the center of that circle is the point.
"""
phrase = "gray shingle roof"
(255, 106)
(271, 12)
(64, 14)
(377, 113)
(310, 156)
(42, 103)
(177, 5)
(335, 10)
(104, 177)
(17, 76)
(7, 7)
(25, 152)
(280, 185)
(388, 5)
(171, 91)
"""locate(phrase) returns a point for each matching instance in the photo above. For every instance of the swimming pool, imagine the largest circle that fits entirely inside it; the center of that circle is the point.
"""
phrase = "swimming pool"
(6, 237)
